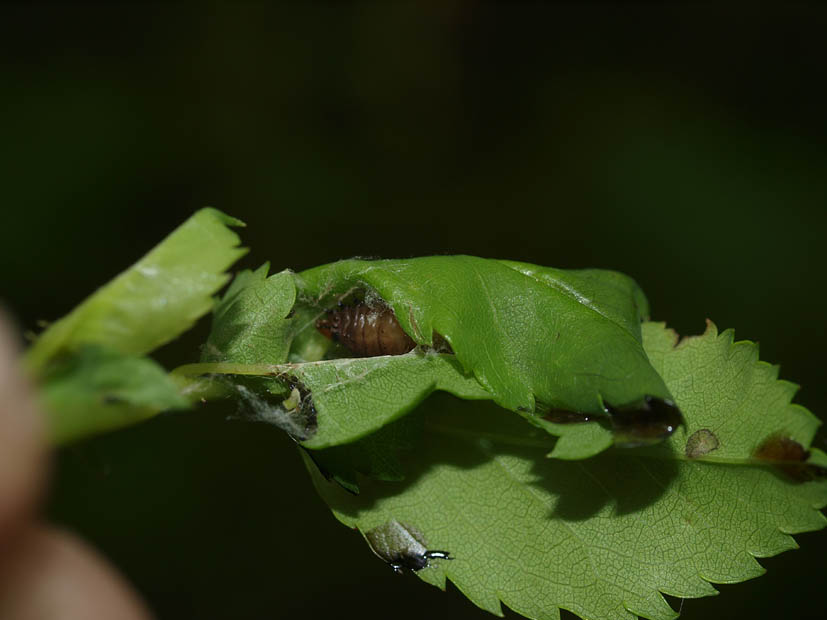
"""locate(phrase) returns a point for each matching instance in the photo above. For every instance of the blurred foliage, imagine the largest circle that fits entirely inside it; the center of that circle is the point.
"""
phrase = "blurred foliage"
(683, 146)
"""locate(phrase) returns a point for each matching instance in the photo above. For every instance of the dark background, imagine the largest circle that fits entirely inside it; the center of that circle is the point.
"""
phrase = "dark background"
(683, 146)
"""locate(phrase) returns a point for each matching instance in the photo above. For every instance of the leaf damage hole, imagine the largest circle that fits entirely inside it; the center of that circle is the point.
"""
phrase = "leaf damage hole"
(402, 546)
(639, 424)
(295, 415)
(562, 416)
(701, 442)
(299, 405)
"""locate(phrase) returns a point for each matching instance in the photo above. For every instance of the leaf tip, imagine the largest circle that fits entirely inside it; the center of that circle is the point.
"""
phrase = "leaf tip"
(224, 218)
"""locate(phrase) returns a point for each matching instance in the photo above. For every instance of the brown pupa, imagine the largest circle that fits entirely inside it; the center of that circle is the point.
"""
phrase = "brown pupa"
(366, 330)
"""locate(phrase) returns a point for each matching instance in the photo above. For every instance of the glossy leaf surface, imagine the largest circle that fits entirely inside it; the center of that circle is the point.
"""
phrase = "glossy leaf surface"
(521, 334)
(568, 340)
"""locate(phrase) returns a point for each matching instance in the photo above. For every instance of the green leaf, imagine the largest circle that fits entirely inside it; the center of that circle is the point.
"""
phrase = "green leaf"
(567, 340)
(153, 301)
(376, 456)
(734, 418)
(603, 537)
(519, 348)
(355, 397)
(95, 389)
(609, 293)
(350, 398)
(250, 323)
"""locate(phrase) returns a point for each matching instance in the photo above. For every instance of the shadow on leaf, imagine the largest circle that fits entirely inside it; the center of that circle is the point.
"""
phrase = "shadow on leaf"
(465, 435)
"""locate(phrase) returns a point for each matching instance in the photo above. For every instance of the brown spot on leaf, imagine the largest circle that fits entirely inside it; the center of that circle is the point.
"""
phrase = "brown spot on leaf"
(701, 442)
(788, 456)
(779, 448)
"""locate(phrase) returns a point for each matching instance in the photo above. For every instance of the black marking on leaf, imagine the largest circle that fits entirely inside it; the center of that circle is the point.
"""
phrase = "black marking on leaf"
(402, 546)
(701, 442)
(562, 416)
(644, 423)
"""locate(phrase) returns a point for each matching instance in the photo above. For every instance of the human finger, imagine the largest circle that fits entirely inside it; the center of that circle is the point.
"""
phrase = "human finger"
(52, 575)
(22, 445)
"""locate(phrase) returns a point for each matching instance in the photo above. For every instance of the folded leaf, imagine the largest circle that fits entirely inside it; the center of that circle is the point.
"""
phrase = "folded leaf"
(355, 397)
(568, 340)
(350, 398)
